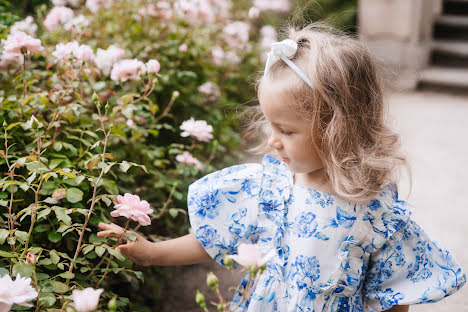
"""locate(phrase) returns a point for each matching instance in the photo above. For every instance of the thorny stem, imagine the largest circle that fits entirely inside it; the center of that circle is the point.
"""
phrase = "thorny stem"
(167, 109)
(93, 200)
(63, 95)
(11, 173)
(36, 195)
(146, 92)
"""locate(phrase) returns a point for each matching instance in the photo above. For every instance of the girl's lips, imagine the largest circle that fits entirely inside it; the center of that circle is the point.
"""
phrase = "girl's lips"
(284, 159)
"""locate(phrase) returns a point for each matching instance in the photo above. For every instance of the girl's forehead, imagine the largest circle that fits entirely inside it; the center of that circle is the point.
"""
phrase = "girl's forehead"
(279, 107)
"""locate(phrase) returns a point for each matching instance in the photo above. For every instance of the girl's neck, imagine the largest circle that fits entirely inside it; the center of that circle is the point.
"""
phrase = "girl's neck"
(317, 180)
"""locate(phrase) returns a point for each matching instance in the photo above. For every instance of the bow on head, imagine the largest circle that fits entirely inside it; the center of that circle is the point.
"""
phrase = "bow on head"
(284, 50)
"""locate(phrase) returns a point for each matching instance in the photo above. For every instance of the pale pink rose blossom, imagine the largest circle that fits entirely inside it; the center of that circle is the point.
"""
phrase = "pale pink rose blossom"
(153, 66)
(104, 59)
(198, 129)
(30, 259)
(211, 90)
(27, 25)
(164, 10)
(273, 5)
(130, 206)
(127, 70)
(96, 5)
(20, 42)
(248, 255)
(86, 300)
(237, 34)
(218, 55)
(188, 158)
(58, 15)
(268, 36)
(83, 53)
(13, 59)
(130, 123)
(183, 48)
(63, 51)
(231, 57)
(18, 292)
(76, 24)
(149, 10)
(254, 13)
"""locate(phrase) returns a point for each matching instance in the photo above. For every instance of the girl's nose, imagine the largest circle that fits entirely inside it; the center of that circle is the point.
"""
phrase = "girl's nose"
(274, 142)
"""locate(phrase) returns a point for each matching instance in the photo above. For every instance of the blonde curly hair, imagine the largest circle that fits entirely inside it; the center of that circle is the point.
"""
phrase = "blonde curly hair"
(360, 153)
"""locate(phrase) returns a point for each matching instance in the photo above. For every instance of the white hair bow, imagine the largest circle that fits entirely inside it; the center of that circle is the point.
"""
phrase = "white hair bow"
(284, 50)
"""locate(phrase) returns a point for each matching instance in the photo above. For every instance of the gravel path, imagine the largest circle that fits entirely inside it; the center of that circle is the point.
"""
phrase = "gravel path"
(434, 132)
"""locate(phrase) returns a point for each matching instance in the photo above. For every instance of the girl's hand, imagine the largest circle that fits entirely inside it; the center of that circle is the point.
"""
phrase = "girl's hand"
(137, 251)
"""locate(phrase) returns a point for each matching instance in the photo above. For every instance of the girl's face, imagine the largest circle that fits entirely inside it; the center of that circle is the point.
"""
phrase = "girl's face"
(291, 134)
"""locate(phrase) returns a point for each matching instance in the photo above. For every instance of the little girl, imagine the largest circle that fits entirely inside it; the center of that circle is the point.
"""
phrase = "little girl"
(325, 210)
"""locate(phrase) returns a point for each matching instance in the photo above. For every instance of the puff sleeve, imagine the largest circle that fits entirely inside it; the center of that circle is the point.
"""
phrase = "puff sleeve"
(223, 208)
(410, 268)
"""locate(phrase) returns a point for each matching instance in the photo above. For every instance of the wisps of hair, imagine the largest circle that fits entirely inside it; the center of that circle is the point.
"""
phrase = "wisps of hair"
(359, 151)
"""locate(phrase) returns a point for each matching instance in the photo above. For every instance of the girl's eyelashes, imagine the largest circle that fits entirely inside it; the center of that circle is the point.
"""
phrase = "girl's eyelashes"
(285, 132)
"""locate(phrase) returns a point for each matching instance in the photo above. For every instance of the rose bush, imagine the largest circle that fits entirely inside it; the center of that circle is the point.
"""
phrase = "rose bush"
(102, 98)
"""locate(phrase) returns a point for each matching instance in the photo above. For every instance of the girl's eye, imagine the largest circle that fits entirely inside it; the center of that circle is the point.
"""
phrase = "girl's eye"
(285, 132)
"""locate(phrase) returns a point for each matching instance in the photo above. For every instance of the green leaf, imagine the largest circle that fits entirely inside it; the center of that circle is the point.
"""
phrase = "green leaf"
(130, 236)
(23, 269)
(116, 253)
(62, 215)
(99, 250)
(54, 257)
(54, 237)
(60, 287)
(3, 236)
(7, 254)
(47, 299)
(70, 147)
(79, 179)
(54, 163)
(3, 272)
(111, 187)
(106, 200)
(21, 235)
(93, 239)
(124, 166)
(173, 212)
(74, 195)
(67, 275)
(43, 213)
(88, 249)
(58, 146)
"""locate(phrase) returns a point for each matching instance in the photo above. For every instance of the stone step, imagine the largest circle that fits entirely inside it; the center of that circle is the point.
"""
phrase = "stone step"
(442, 78)
(450, 53)
(452, 27)
(456, 7)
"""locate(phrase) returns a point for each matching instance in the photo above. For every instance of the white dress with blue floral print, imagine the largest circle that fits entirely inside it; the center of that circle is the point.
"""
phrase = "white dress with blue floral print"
(324, 253)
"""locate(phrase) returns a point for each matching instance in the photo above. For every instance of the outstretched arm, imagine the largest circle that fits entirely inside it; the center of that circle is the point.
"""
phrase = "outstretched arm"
(178, 251)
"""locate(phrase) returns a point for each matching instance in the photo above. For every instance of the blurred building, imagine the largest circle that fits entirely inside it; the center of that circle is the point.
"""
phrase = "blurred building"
(425, 42)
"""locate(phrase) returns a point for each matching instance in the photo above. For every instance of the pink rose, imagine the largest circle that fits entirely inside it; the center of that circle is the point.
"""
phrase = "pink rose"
(17, 292)
(30, 258)
(27, 25)
(183, 48)
(198, 129)
(83, 53)
(187, 158)
(274, 5)
(248, 255)
(58, 15)
(130, 206)
(128, 70)
(254, 13)
(63, 51)
(218, 55)
(164, 10)
(86, 300)
(96, 5)
(105, 59)
(237, 34)
(14, 59)
(153, 66)
(20, 42)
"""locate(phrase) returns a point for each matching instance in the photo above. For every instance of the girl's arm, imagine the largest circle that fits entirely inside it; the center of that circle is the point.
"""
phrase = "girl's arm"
(404, 308)
(178, 251)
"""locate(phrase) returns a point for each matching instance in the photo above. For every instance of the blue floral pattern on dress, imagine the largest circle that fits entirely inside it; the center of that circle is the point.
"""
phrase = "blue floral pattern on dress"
(323, 253)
